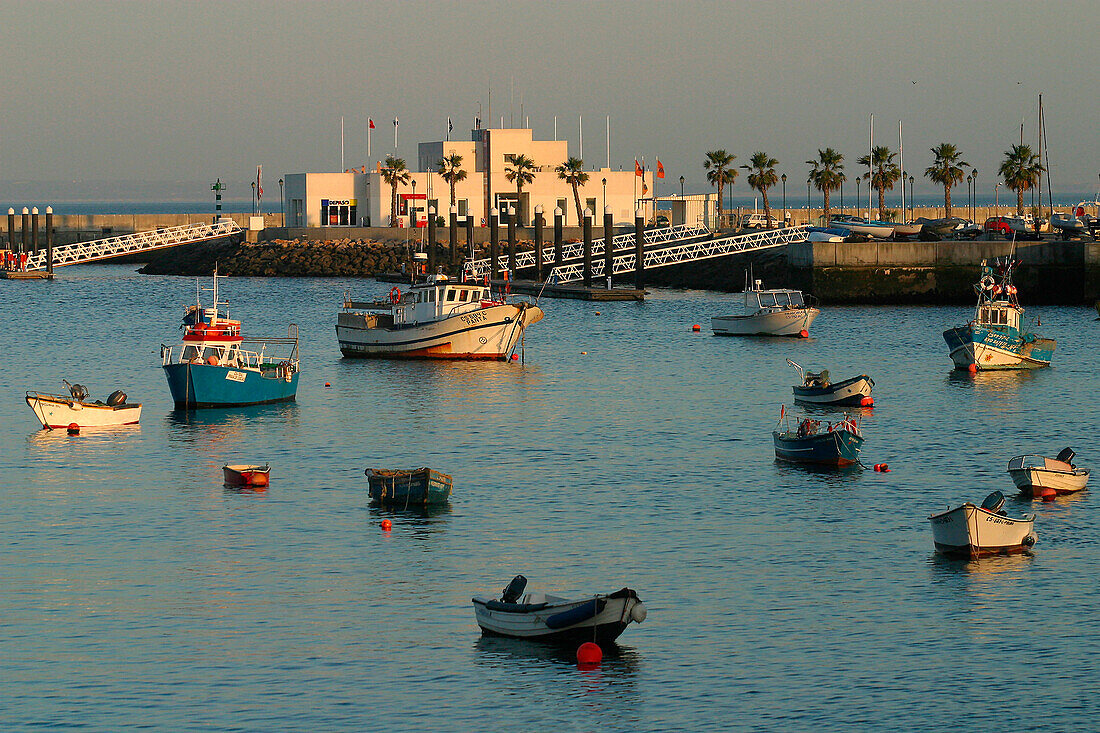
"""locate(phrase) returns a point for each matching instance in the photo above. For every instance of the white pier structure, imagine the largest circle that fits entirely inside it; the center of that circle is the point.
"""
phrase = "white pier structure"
(102, 249)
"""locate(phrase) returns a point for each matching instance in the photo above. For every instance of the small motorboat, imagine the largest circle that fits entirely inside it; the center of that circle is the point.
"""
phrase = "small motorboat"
(416, 486)
(979, 531)
(1034, 475)
(912, 229)
(544, 617)
(768, 313)
(826, 234)
(816, 389)
(59, 411)
(246, 475)
(866, 227)
(1069, 225)
(816, 441)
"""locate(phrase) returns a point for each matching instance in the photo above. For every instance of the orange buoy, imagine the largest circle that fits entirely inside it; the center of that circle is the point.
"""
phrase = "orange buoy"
(867, 402)
(327, 384)
(803, 334)
(878, 467)
(589, 655)
(973, 369)
(387, 525)
(597, 313)
(696, 327)
(515, 357)
(74, 429)
(1049, 494)
(584, 353)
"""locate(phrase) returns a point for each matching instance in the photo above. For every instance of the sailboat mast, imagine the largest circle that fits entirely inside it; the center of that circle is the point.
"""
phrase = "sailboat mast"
(1039, 146)
(870, 164)
(901, 155)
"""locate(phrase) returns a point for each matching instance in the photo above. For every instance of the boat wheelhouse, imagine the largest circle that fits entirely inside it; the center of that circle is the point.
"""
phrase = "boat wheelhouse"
(776, 312)
(436, 318)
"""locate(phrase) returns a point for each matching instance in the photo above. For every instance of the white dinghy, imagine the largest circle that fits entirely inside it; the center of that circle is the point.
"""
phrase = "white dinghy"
(1034, 475)
(544, 617)
(59, 411)
(979, 531)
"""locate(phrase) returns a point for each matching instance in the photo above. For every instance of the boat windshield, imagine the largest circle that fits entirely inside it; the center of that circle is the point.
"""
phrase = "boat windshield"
(767, 300)
(796, 299)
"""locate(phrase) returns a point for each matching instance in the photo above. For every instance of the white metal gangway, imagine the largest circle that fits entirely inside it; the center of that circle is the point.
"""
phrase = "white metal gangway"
(686, 252)
(574, 250)
(124, 244)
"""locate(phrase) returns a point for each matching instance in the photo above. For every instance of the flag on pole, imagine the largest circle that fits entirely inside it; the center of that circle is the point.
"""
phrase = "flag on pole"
(660, 169)
(637, 168)
(477, 123)
(645, 189)
(371, 123)
(379, 166)
(449, 125)
(395, 133)
(259, 182)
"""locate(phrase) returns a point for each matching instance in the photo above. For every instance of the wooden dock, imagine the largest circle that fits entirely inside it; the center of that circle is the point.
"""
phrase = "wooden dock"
(33, 275)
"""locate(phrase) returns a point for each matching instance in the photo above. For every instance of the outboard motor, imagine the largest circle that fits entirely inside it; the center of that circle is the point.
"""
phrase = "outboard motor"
(116, 398)
(1067, 455)
(78, 391)
(994, 502)
(514, 590)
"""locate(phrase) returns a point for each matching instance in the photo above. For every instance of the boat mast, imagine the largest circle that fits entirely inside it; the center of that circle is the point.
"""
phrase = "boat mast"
(870, 164)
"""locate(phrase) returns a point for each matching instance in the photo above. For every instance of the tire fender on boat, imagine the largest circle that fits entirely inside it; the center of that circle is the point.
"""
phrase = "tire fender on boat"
(638, 613)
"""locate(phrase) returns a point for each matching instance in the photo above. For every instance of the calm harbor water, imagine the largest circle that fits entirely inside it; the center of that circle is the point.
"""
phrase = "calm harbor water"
(136, 590)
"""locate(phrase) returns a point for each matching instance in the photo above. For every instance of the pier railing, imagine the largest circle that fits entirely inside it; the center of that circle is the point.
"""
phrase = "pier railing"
(575, 250)
(124, 244)
(686, 252)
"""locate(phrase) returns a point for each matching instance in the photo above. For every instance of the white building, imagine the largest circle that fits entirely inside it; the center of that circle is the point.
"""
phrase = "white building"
(362, 198)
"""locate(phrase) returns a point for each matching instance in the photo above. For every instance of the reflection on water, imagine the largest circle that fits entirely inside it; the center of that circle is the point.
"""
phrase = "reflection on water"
(980, 568)
(997, 383)
(231, 420)
(622, 661)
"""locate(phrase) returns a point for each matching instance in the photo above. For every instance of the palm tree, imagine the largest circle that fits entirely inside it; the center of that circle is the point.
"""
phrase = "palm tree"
(395, 174)
(762, 176)
(450, 169)
(947, 170)
(521, 172)
(885, 173)
(718, 164)
(1020, 170)
(572, 172)
(827, 174)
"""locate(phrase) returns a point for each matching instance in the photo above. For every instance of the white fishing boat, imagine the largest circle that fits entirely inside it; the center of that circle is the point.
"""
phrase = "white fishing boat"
(971, 531)
(545, 617)
(1034, 475)
(779, 312)
(59, 411)
(436, 319)
(816, 389)
(859, 225)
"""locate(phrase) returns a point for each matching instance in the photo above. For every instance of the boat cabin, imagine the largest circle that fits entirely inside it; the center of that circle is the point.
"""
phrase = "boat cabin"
(436, 299)
(1000, 315)
(757, 299)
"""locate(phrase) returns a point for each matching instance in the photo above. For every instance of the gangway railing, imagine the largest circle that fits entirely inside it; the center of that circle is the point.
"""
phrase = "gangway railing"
(124, 244)
(574, 250)
(686, 252)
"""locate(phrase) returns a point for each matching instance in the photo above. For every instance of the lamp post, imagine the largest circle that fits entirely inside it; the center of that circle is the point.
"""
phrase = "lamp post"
(681, 186)
(282, 207)
(253, 197)
(784, 179)
(969, 204)
(412, 206)
(974, 195)
(997, 197)
(841, 195)
(858, 178)
(808, 201)
(911, 179)
(605, 193)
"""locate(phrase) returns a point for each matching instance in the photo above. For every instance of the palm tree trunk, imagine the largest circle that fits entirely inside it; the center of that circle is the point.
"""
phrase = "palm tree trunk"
(452, 192)
(947, 200)
(881, 203)
(393, 205)
(519, 203)
(826, 212)
(577, 201)
(767, 207)
(1019, 202)
(720, 189)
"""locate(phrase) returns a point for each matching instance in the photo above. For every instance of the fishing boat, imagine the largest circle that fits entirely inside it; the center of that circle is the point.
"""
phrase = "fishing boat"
(866, 227)
(1036, 475)
(826, 234)
(416, 486)
(815, 441)
(59, 411)
(212, 368)
(246, 475)
(557, 619)
(816, 389)
(436, 318)
(972, 531)
(994, 339)
(768, 313)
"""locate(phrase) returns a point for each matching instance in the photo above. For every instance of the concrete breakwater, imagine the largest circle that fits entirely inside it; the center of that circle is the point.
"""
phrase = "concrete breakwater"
(279, 257)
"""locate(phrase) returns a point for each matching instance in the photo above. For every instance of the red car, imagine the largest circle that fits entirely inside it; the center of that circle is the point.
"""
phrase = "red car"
(1003, 224)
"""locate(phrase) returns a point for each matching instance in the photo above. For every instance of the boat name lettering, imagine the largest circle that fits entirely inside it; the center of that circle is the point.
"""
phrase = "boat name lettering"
(942, 520)
(998, 520)
(235, 376)
(472, 318)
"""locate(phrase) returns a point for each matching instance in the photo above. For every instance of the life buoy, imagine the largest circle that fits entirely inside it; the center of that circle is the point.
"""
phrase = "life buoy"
(987, 282)
(395, 295)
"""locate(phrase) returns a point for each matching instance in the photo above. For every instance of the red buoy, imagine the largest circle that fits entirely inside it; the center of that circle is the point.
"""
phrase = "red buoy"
(515, 357)
(387, 525)
(696, 327)
(74, 429)
(878, 467)
(867, 402)
(1049, 494)
(327, 384)
(803, 334)
(589, 655)
(973, 369)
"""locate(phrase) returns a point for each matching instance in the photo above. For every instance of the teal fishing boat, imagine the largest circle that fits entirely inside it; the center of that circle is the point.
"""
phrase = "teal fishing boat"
(416, 487)
(817, 442)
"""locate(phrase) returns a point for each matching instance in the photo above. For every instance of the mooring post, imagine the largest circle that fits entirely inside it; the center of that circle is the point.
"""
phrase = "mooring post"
(588, 248)
(431, 240)
(608, 244)
(639, 249)
(559, 215)
(494, 242)
(539, 224)
(511, 218)
(49, 240)
(34, 229)
(452, 235)
(470, 234)
(26, 224)
(11, 229)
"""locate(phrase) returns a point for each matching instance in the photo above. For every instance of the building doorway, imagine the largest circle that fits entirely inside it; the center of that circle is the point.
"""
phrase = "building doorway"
(337, 212)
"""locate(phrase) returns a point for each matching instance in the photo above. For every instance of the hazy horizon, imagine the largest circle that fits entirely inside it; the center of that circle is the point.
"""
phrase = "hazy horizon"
(169, 97)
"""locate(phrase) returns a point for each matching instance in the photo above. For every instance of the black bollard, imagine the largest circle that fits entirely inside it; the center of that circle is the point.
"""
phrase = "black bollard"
(511, 239)
(431, 240)
(452, 235)
(34, 229)
(539, 224)
(494, 243)
(608, 245)
(587, 248)
(558, 216)
(49, 240)
(639, 250)
(26, 221)
(11, 229)
(470, 234)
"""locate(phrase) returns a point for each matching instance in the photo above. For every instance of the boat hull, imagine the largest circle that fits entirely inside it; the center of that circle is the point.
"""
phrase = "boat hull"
(877, 231)
(988, 349)
(246, 475)
(601, 620)
(850, 392)
(972, 532)
(490, 333)
(1033, 479)
(833, 448)
(790, 322)
(197, 386)
(61, 413)
(419, 487)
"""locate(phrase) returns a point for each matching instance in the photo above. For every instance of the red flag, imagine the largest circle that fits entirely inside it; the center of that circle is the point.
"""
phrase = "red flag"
(660, 169)
(645, 189)
(379, 166)
(259, 182)
(637, 168)
(371, 123)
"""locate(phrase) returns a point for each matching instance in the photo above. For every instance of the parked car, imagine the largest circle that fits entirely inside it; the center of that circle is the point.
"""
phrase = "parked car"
(758, 220)
(1004, 224)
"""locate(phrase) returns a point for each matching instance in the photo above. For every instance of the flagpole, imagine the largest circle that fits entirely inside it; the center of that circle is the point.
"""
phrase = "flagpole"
(580, 133)
(555, 128)
(342, 142)
(609, 142)
(395, 122)
(368, 140)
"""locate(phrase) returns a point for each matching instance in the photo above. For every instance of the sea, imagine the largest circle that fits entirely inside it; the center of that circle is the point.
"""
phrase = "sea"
(623, 449)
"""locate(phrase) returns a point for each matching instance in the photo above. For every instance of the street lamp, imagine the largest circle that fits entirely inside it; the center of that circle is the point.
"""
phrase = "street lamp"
(974, 196)
(911, 179)
(808, 201)
(841, 195)
(784, 179)
(253, 197)
(858, 178)
(997, 196)
(605, 194)
(681, 186)
(412, 206)
(969, 204)
(282, 208)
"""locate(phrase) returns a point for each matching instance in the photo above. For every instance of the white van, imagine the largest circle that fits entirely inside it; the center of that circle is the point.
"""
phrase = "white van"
(758, 220)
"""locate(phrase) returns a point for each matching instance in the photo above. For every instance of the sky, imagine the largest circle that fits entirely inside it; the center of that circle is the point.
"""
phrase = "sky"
(180, 93)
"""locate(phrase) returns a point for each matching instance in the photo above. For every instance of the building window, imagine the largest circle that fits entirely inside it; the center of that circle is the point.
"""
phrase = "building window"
(590, 204)
(463, 207)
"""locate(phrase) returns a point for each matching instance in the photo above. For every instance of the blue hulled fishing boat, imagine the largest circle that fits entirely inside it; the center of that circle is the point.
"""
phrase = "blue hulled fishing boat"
(815, 441)
(212, 368)
(994, 339)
